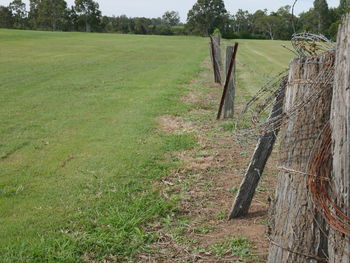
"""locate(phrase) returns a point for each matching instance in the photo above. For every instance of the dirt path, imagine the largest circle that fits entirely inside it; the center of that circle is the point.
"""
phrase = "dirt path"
(206, 185)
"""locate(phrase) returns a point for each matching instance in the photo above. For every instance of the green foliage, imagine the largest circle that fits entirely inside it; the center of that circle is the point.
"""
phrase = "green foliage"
(322, 15)
(179, 30)
(333, 30)
(6, 18)
(309, 21)
(178, 142)
(344, 7)
(50, 14)
(18, 9)
(227, 126)
(217, 32)
(221, 215)
(204, 229)
(239, 246)
(163, 30)
(205, 16)
(234, 191)
(171, 18)
(89, 14)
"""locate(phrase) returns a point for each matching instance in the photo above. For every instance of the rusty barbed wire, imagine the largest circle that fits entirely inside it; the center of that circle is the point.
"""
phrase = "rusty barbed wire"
(326, 200)
(257, 108)
(314, 77)
(308, 44)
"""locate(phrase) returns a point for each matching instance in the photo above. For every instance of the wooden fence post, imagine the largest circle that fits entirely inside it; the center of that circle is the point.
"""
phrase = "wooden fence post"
(215, 54)
(258, 162)
(339, 248)
(217, 41)
(294, 235)
(227, 81)
(230, 96)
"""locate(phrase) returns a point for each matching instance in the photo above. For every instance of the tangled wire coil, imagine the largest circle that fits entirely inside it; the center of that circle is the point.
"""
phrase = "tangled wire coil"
(326, 201)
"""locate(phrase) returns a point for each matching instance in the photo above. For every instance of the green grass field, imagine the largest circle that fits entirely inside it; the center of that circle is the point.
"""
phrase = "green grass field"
(259, 60)
(79, 148)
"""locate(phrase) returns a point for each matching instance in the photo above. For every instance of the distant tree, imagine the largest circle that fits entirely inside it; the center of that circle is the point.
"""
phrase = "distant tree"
(344, 7)
(309, 21)
(285, 29)
(33, 13)
(89, 13)
(157, 21)
(243, 21)
(123, 24)
(19, 13)
(6, 18)
(322, 13)
(164, 30)
(333, 30)
(71, 20)
(141, 25)
(334, 15)
(171, 18)
(51, 14)
(269, 25)
(206, 15)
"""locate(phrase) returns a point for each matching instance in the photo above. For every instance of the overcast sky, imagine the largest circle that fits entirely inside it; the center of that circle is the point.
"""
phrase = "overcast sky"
(156, 8)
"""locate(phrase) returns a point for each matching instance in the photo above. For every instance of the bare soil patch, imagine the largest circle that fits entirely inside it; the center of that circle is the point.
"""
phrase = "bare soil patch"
(174, 125)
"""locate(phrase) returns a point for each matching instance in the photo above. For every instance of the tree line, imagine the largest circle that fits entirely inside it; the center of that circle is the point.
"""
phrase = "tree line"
(85, 16)
(280, 24)
(205, 17)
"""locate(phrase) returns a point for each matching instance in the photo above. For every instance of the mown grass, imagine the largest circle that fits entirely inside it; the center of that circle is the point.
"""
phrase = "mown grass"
(79, 153)
(258, 61)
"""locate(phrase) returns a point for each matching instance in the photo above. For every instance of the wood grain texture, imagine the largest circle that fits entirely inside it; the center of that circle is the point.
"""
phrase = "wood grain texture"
(230, 96)
(257, 164)
(339, 249)
(215, 53)
(295, 236)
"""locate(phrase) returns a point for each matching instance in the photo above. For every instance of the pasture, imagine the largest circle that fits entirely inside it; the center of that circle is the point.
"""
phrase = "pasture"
(80, 152)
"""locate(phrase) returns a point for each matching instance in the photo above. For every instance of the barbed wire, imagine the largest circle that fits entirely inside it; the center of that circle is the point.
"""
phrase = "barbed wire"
(308, 44)
(258, 106)
(314, 73)
(326, 200)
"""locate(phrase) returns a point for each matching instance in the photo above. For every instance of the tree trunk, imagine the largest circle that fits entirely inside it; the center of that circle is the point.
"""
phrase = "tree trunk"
(295, 238)
(339, 249)
(88, 27)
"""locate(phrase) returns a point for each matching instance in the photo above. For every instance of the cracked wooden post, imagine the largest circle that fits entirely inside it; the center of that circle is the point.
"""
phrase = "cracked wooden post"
(217, 41)
(230, 96)
(339, 249)
(227, 80)
(257, 164)
(215, 54)
(294, 234)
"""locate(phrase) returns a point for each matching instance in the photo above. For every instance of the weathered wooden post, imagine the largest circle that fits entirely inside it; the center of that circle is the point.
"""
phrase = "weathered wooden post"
(339, 248)
(294, 235)
(227, 81)
(215, 54)
(230, 96)
(258, 162)
(217, 42)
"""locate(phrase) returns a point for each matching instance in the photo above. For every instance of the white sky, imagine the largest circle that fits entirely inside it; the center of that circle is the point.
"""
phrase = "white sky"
(156, 8)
